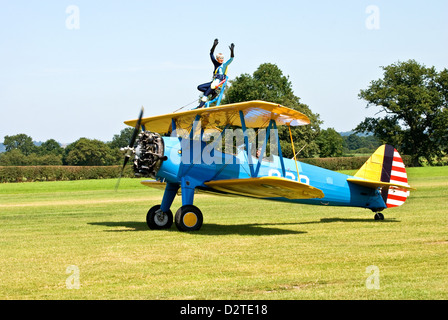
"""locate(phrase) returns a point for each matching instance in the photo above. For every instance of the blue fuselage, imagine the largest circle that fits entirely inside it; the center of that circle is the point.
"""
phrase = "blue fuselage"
(193, 161)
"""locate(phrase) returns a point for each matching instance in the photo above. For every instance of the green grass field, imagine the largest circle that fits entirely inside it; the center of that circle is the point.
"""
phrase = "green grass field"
(246, 249)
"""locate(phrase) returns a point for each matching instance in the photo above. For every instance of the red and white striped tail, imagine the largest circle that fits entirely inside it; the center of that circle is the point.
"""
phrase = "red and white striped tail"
(397, 196)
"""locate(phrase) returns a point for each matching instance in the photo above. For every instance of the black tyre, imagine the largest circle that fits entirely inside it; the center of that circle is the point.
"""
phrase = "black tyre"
(156, 219)
(379, 216)
(188, 218)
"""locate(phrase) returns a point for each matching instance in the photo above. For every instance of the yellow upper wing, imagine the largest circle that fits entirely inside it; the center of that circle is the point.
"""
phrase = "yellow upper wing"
(256, 115)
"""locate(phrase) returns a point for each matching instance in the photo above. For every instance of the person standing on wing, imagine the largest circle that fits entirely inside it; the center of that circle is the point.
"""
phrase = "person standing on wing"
(219, 73)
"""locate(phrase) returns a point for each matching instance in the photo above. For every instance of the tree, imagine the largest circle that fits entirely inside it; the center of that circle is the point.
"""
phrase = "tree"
(21, 151)
(21, 142)
(122, 140)
(13, 157)
(50, 159)
(413, 99)
(50, 147)
(330, 143)
(269, 84)
(87, 152)
(361, 144)
(353, 141)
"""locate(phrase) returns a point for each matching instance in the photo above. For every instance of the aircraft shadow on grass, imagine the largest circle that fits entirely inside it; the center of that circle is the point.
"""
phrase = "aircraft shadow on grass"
(260, 229)
(331, 220)
(208, 229)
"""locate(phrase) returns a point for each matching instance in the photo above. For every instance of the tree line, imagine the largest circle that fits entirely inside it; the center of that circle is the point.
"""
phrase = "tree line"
(20, 150)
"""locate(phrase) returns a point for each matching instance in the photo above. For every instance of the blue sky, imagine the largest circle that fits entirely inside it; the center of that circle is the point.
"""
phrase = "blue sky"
(64, 83)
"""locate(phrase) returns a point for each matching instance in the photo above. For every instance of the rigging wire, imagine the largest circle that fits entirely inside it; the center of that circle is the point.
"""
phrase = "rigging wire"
(195, 100)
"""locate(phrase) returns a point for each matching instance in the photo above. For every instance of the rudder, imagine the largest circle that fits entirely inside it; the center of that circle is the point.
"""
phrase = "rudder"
(386, 165)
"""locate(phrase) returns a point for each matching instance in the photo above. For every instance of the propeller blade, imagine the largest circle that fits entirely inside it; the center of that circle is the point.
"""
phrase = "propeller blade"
(131, 145)
(118, 182)
(136, 130)
(126, 159)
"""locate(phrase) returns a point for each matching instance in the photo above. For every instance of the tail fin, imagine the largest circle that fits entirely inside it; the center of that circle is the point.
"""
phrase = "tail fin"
(386, 165)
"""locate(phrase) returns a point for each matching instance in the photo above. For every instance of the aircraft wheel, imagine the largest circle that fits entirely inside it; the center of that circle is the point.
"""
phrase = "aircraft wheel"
(379, 216)
(156, 219)
(188, 218)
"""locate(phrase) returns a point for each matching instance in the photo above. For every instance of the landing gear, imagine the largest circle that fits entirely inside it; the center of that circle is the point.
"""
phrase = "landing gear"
(188, 218)
(379, 216)
(156, 219)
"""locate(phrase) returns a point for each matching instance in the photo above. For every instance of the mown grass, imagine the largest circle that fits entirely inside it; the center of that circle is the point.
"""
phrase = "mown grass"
(246, 249)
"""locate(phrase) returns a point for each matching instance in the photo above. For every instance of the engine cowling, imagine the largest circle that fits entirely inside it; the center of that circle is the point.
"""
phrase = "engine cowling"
(149, 154)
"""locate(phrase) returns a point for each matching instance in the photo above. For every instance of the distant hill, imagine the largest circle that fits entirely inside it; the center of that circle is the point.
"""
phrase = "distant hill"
(2, 147)
(347, 133)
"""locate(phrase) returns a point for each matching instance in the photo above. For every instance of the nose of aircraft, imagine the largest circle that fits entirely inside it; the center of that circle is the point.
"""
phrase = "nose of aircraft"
(149, 154)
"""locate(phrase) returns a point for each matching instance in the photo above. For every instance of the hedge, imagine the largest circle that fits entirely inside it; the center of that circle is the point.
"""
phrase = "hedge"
(57, 173)
(335, 164)
(344, 163)
(60, 173)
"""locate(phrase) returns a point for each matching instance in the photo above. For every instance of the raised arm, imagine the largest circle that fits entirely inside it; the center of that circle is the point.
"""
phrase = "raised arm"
(232, 55)
(215, 43)
(212, 51)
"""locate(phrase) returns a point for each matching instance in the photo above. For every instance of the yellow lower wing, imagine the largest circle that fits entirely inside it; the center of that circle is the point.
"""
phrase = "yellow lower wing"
(162, 185)
(154, 184)
(266, 187)
(263, 187)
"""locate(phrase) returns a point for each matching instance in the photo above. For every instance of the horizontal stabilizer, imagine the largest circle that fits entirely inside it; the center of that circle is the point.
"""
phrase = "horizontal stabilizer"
(266, 187)
(378, 184)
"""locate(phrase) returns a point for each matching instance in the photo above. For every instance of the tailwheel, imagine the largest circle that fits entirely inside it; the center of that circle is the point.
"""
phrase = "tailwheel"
(188, 218)
(379, 216)
(157, 219)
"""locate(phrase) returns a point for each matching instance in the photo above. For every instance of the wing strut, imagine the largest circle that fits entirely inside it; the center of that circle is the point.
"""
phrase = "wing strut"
(263, 149)
(246, 142)
(280, 155)
(173, 126)
(294, 152)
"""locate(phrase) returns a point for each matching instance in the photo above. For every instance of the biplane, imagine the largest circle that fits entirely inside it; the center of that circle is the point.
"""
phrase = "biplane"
(172, 150)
